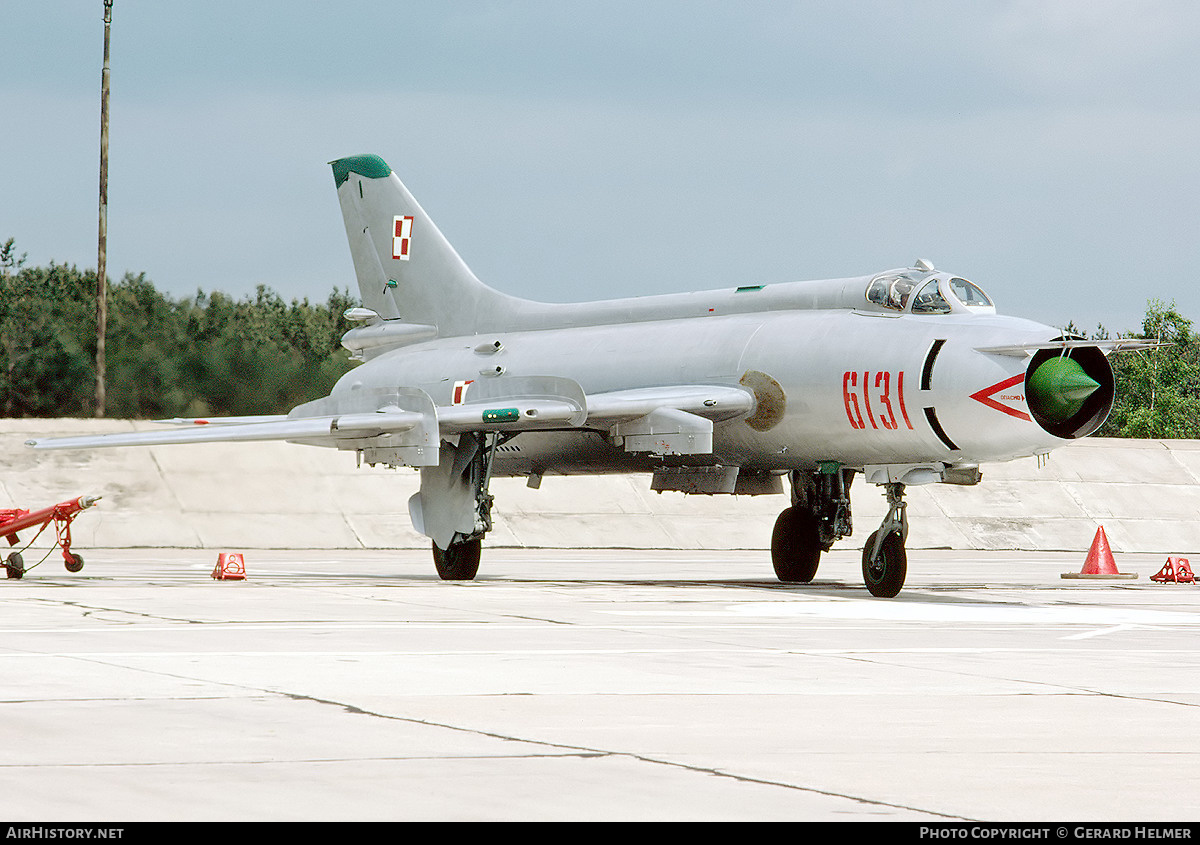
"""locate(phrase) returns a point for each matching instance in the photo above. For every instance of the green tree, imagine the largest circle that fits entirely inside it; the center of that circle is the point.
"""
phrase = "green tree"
(1158, 390)
(47, 345)
(195, 356)
(8, 258)
(261, 356)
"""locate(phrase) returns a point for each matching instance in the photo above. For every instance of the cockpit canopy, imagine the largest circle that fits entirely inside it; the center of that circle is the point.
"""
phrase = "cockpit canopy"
(917, 292)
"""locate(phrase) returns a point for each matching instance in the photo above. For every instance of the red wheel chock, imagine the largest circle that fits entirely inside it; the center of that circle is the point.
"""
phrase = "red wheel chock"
(1175, 571)
(230, 567)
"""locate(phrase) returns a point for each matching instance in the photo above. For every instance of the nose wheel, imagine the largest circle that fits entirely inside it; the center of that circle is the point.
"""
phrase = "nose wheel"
(884, 560)
(884, 565)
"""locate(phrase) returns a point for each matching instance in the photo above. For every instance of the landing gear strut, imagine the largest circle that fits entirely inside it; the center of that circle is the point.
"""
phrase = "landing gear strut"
(470, 474)
(885, 561)
(819, 516)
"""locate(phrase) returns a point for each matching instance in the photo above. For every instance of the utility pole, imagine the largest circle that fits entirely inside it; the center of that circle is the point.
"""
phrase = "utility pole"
(101, 282)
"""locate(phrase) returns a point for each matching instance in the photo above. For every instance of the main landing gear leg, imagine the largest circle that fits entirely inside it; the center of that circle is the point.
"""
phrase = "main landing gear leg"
(885, 561)
(819, 516)
(459, 561)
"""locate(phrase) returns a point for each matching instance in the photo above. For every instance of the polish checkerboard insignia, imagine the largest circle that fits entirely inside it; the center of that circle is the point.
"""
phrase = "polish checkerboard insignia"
(401, 237)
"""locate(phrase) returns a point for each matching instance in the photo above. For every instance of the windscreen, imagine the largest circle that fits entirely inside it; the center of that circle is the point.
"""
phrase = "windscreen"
(969, 293)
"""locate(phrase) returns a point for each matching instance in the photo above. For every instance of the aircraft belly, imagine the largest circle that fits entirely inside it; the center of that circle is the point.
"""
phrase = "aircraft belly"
(566, 453)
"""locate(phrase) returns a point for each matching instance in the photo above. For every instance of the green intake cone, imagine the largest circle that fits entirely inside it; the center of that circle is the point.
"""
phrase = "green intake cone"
(1058, 388)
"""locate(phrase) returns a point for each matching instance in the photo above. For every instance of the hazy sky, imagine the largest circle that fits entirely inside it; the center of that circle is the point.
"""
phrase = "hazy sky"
(570, 150)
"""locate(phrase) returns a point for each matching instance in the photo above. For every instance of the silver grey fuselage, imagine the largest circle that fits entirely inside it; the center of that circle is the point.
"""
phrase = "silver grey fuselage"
(829, 337)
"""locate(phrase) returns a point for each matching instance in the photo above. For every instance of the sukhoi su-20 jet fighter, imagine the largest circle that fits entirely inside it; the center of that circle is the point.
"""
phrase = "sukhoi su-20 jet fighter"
(908, 376)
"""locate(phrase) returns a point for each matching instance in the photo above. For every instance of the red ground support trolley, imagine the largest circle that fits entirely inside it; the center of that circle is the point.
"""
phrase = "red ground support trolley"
(62, 514)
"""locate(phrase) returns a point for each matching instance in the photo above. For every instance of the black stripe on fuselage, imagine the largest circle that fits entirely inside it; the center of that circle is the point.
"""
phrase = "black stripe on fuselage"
(927, 370)
(931, 416)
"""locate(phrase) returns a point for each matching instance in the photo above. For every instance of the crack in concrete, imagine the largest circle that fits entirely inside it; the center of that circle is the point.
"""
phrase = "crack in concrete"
(92, 611)
(1062, 689)
(565, 750)
(599, 752)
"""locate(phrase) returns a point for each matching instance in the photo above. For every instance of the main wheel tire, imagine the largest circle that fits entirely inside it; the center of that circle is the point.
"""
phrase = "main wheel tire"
(460, 562)
(796, 546)
(14, 566)
(74, 563)
(884, 576)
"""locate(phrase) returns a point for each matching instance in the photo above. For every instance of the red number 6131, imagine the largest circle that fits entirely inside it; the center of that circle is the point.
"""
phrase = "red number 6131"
(877, 394)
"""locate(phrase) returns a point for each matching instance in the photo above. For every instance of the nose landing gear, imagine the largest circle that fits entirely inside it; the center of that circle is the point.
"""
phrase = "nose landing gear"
(884, 560)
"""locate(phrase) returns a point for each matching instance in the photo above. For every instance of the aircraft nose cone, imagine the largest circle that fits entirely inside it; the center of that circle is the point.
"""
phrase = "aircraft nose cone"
(1058, 388)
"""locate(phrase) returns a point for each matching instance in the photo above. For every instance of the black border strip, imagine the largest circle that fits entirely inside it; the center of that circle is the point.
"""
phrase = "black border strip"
(931, 416)
(927, 370)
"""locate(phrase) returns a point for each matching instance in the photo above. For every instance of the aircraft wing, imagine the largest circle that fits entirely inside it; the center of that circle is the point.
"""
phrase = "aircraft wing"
(711, 402)
(664, 420)
(282, 428)
(714, 403)
(668, 420)
(222, 420)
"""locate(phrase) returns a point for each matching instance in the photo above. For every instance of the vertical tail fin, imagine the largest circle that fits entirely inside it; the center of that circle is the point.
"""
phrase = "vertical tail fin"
(406, 268)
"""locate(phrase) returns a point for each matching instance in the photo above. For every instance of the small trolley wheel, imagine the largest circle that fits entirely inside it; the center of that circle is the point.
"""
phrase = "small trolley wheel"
(14, 566)
(73, 562)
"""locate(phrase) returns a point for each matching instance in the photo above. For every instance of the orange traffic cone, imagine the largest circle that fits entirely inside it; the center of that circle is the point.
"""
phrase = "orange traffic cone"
(1175, 571)
(230, 567)
(1099, 564)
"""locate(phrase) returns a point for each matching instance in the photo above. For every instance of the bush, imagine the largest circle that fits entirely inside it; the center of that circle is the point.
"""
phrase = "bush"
(208, 354)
